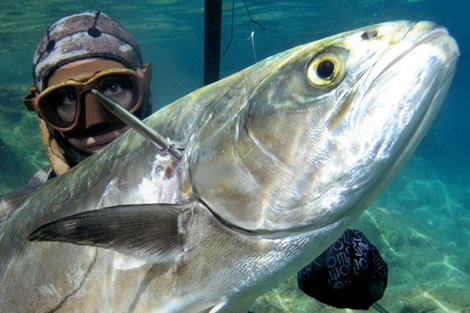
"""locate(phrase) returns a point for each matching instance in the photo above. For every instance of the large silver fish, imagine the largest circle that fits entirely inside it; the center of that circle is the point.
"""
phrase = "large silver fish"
(278, 160)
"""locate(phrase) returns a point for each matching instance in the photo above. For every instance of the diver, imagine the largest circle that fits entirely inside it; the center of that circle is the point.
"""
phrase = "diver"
(77, 53)
(91, 50)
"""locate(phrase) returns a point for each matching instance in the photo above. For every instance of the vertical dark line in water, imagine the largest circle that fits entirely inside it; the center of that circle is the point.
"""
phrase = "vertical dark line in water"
(212, 34)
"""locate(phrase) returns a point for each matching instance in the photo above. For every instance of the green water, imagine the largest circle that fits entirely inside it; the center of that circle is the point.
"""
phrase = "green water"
(421, 224)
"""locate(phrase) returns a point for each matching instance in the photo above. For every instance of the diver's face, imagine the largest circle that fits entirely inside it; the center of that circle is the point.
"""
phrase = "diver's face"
(97, 127)
(95, 143)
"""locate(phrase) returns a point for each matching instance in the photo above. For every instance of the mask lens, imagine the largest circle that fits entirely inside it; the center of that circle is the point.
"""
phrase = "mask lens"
(122, 88)
(59, 106)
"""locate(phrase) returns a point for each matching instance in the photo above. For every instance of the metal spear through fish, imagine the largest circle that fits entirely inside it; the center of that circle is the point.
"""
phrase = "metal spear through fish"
(277, 161)
(131, 120)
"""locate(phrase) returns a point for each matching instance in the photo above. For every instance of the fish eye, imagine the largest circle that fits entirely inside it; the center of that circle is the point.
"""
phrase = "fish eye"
(324, 69)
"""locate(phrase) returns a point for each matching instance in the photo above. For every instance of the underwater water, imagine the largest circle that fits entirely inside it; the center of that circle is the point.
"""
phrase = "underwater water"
(421, 224)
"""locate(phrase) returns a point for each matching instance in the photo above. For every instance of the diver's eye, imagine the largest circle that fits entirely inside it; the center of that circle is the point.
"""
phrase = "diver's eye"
(110, 87)
(324, 69)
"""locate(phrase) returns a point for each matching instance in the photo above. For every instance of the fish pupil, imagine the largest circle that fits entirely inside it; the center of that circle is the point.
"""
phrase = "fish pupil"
(325, 69)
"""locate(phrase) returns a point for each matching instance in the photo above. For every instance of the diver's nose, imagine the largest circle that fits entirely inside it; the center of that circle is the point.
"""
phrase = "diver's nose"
(95, 114)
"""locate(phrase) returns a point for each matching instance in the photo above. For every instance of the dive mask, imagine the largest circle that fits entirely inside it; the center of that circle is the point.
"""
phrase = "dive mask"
(62, 104)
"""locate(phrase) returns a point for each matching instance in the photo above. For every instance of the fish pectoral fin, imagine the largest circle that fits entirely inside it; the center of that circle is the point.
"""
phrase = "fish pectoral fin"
(153, 232)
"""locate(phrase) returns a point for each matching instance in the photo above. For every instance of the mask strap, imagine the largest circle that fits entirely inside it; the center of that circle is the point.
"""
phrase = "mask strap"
(30, 98)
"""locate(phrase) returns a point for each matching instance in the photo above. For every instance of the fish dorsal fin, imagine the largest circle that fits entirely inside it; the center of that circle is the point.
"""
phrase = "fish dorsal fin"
(12, 200)
(152, 232)
(132, 121)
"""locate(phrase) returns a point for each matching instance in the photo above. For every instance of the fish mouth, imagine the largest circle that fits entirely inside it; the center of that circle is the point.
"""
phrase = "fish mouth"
(435, 33)
(431, 80)
(424, 121)
(440, 73)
